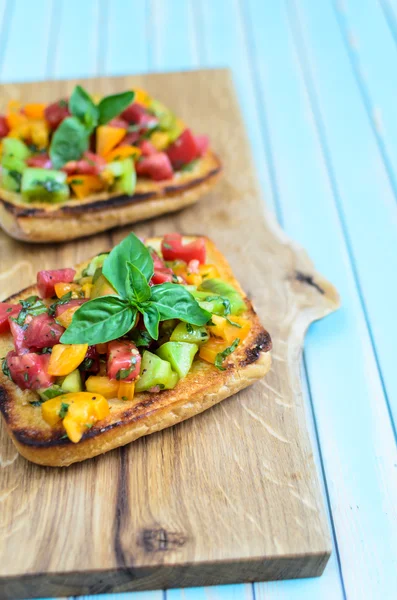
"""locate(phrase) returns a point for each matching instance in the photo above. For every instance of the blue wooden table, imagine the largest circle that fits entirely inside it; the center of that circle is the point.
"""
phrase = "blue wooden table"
(317, 82)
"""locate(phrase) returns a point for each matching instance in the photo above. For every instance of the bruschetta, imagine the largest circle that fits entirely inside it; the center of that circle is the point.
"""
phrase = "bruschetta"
(82, 165)
(126, 344)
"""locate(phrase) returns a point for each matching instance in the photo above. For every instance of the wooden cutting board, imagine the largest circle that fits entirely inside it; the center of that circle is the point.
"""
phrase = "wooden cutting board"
(231, 495)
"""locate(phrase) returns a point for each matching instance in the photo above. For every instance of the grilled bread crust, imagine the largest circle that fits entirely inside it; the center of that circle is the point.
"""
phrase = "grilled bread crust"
(203, 387)
(42, 223)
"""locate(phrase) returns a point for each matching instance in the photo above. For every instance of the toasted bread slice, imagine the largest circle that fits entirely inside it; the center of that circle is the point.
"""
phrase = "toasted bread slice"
(203, 387)
(41, 223)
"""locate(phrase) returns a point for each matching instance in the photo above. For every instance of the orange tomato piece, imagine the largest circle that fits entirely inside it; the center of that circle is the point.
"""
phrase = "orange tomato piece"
(65, 358)
(66, 317)
(141, 97)
(64, 288)
(210, 349)
(85, 185)
(107, 138)
(16, 119)
(193, 279)
(209, 271)
(34, 110)
(123, 152)
(100, 384)
(224, 329)
(126, 390)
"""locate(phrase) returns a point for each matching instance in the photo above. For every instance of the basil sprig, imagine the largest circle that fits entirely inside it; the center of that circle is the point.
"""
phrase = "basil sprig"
(221, 356)
(129, 268)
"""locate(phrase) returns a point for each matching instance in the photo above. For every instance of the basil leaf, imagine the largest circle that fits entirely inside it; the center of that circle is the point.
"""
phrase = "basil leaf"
(173, 301)
(220, 357)
(115, 267)
(100, 320)
(82, 106)
(140, 338)
(136, 285)
(111, 106)
(69, 142)
(151, 319)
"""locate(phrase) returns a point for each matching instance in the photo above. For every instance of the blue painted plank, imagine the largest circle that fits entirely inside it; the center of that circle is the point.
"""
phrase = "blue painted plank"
(157, 595)
(354, 428)
(26, 59)
(217, 592)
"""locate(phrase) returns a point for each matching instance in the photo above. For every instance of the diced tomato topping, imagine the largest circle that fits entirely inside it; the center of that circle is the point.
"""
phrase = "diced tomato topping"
(42, 331)
(147, 148)
(130, 139)
(172, 248)
(55, 113)
(18, 333)
(202, 143)
(90, 164)
(47, 279)
(29, 371)
(183, 150)
(42, 161)
(117, 122)
(123, 356)
(162, 274)
(8, 310)
(138, 115)
(4, 129)
(193, 266)
(74, 302)
(92, 355)
(157, 167)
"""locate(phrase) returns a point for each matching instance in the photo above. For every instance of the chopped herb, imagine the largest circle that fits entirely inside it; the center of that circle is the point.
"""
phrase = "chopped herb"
(63, 410)
(140, 338)
(233, 323)
(124, 373)
(63, 103)
(26, 377)
(46, 350)
(64, 300)
(190, 166)
(189, 328)
(16, 176)
(76, 182)
(223, 300)
(175, 278)
(9, 310)
(5, 368)
(220, 357)
(161, 386)
(88, 425)
(64, 437)
(168, 246)
(210, 323)
(124, 398)
(36, 403)
(204, 334)
(86, 365)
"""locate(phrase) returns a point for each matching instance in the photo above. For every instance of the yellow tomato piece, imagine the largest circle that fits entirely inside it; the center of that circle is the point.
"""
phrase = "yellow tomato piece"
(66, 317)
(209, 272)
(100, 407)
(20, 131)
(65, 358)
(15, 119)
(98, 384)
(126, 390)
(142, 97)
(193, 279)
(39, 133)
(160, 140)
(50, 411)
(107, 177)
(210, 349)
(123, 152)
(75, 429)
(107, 138)
(224, 329)
(34, 110)
(87, 287)
(64, 288)
(85, 185)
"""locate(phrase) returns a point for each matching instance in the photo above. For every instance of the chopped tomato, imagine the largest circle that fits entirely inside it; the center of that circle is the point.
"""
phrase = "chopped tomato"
(42, 332)
(147, 148)
(55, 113)
(138, 115)
(18, 333)
(71, 304)
(90, 164)
(34, 110)
(8, 310)
(124, 361)
(117, 122)
(65, 358)
(130, 139)
(157, 167)
(4, 129)
(42, 161)
(46, 280)
(29, 371)
(202, 143)
(193, 266)
(183, 150)
(85, 185)
(91, 362)
(172, 248)
(162, 273)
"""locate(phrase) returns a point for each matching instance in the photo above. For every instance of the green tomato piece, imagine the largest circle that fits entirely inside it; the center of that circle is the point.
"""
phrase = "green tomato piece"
(44, 185)
(16, 148)
(126, 182)
(191, 334)
(155, 371)
(180, 356)
(101, 286)
(72, 382)
(115, 167)
(213, 303)
(11, 179)
(220, 287)
(95, 264)
(13, 163)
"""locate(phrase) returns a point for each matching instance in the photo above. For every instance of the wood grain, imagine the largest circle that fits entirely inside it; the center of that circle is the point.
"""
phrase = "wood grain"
(229, 496)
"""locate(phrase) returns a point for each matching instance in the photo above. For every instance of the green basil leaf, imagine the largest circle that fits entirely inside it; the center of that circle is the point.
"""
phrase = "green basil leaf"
(136, 285)
(220, 357)
(140, 338)
(112, 106)
(100, 320)
(174, 301)
(69, 142)
(130, 250)
(82, 106)
(151, 319)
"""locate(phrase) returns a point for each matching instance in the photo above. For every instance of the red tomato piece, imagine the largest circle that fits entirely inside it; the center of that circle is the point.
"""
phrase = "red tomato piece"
(162, 276)
(4, 129)
(183, 150)
(122, 355)
(93, 356)
(55, 113)
(138, 115)
(8, 310)
(157, 167)
(18, 333)
(42, 331)
(29, 371)
(193, 266)
(89, 164)
(172, 248)
(74, 302)
(42, 161)
(202, 143)
(47, 279)
(117, 122)
(147, 148)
